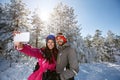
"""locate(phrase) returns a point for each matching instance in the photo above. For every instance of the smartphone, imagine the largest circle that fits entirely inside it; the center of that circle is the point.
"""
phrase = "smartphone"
(22, 37)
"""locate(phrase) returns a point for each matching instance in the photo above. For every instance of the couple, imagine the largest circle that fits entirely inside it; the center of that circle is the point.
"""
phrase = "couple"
(55, 64)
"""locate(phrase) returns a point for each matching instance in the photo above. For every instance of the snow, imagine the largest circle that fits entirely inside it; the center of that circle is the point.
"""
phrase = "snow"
(17, 71)
(88, 71)
(99, 71)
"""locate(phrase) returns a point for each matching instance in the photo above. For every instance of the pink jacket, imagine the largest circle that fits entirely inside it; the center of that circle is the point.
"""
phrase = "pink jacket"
(44, 65)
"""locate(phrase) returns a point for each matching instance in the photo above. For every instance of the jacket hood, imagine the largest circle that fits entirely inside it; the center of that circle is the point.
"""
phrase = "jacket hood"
(63, 46)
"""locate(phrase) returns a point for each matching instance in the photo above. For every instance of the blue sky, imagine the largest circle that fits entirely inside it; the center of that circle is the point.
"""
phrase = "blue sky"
(91, 14)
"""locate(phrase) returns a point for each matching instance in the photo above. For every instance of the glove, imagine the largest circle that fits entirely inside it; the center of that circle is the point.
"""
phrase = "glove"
(58, 76)
(50, 75)
(37, 66)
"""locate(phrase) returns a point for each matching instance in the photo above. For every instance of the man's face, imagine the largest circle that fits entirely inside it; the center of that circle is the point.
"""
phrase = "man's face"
(59, 41)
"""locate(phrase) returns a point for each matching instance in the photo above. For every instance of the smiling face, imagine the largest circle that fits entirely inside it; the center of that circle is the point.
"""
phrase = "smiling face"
(50, 44)
(59, 41)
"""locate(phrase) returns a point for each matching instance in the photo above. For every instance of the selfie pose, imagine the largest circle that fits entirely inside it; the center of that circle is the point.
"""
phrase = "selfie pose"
(67, 64)
(46, 59)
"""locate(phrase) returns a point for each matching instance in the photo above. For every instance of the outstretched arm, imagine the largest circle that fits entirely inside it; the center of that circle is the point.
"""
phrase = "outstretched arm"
(28, 50)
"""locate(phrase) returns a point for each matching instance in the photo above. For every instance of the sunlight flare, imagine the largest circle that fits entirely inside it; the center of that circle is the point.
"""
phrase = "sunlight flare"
(44, 15)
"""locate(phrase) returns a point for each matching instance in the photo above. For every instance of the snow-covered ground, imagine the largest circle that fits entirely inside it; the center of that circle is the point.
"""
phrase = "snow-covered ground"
(99, 71)
(93, 71)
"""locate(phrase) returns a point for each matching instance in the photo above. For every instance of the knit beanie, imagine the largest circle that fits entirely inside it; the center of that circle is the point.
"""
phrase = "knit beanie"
(50, 37)
(63, 38)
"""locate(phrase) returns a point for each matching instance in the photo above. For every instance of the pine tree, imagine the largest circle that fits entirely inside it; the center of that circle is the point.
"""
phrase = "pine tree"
(38, 27)
(98, 43)
(117, 42)
(110, 45)
(97, 39)
(13, 17)
(19, 15)
(117, 47)
(88, 41)
(5, 30)
(2, 26)
(64, 20)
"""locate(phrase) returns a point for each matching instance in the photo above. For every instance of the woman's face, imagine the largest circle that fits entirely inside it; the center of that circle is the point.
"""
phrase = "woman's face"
(50, 44)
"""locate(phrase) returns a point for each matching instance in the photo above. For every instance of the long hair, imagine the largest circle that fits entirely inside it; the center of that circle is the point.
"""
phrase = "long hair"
(50, 54)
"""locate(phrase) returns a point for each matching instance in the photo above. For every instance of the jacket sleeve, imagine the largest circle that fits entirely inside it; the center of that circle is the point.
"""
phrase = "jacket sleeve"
(33, 52)
(73, 64)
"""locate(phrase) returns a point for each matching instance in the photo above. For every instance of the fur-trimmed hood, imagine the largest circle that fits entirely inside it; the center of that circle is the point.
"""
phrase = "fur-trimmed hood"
(63, 46)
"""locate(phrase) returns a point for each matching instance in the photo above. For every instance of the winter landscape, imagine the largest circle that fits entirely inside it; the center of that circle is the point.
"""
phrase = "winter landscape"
(98, 55)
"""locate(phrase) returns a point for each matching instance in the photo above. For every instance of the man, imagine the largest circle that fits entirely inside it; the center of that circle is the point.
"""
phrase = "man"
(67, 65)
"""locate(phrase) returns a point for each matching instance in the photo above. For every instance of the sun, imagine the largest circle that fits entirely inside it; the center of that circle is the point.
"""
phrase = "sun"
(44, 15)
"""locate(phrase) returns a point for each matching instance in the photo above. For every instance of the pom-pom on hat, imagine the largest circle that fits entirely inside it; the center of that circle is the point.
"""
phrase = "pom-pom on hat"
(50, 37)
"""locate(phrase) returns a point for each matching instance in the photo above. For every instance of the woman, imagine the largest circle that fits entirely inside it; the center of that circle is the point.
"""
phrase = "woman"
(46, 58)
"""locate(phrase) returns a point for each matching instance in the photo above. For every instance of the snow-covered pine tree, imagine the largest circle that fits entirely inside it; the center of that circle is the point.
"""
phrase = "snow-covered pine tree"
(64, 20)
(117, 43)
(90, 52)
(88, 41)
(117, 47)
(110, 45)
(5, 30)
(14, 17)
(3, 26)
(98, 43)
(19, 15)
(37, 29)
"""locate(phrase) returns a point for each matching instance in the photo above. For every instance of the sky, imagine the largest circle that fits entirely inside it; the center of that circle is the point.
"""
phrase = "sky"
(91, 14)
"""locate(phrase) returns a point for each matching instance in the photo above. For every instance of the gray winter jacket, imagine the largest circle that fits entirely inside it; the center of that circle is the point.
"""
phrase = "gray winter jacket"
(67, 55)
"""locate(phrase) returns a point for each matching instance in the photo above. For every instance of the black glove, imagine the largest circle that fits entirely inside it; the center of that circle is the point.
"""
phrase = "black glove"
(50, 75)
(36, 67)
(58, 76)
